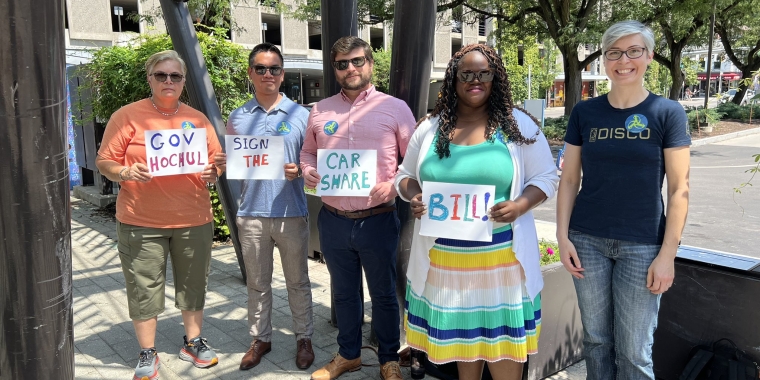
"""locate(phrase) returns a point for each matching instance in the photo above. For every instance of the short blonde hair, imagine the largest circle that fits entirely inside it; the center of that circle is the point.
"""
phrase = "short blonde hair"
(161, 56)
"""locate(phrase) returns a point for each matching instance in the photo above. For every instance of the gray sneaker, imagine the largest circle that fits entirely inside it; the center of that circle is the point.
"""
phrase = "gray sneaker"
(198, 352)
(148, 365)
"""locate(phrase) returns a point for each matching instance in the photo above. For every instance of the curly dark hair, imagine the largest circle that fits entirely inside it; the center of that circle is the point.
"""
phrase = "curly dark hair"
(500, 104)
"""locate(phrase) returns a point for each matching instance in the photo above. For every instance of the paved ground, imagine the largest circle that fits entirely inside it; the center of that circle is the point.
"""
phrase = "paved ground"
(104, 338)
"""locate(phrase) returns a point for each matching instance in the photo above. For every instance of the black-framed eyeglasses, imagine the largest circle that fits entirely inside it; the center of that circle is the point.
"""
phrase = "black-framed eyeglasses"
(161, 77)
(343, 63)
(632, 53)
(262, 70)
(469, 76)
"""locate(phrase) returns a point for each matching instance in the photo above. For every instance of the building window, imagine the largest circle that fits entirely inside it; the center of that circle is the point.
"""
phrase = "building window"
(122, 22)
(482, 25)
(315, 35)
(270, 25)
(376, 38)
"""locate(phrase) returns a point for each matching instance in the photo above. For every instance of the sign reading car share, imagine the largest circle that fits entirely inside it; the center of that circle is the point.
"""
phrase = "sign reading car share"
(457, 211)
(176, 151)
(346, 172)
(255, 157)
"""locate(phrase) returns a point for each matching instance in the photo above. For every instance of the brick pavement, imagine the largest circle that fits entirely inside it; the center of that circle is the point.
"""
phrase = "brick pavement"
(105, 345)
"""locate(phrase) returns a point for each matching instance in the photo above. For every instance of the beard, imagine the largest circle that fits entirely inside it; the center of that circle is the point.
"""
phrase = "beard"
(363, 82)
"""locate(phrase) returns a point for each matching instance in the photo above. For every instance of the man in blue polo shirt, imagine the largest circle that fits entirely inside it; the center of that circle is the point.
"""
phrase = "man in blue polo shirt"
(273, 211)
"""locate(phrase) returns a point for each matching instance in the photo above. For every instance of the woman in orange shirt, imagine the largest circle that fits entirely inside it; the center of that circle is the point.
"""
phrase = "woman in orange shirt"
(161, 215)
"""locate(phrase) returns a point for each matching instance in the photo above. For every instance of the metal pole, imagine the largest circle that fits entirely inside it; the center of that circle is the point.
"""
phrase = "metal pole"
(411, 62)
(203, 98)
(36, 337)
(338, 20)
(709, 55)
(529, 84)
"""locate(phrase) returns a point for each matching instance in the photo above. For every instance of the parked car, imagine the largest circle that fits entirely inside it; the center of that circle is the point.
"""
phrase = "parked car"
(729, 96)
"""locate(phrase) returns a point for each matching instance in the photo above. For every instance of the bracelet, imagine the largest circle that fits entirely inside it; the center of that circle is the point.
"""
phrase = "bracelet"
(121, 173)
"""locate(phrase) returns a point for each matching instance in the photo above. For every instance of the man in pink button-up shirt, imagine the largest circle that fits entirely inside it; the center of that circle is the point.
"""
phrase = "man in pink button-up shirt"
(360, 232)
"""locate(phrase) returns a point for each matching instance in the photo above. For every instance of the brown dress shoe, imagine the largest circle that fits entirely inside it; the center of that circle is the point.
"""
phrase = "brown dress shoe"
(304, 354)
(390, 371)
(253, 356)
(337, 367)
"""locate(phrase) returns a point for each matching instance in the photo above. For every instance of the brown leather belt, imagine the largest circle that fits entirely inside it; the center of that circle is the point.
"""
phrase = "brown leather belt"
(361, 213)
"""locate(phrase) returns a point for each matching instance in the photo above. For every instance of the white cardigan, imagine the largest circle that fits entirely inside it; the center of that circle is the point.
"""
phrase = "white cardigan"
(533, 166)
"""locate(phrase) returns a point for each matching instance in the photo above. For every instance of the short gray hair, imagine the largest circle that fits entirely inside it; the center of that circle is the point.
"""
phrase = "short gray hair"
(624, 29)
(161, 56)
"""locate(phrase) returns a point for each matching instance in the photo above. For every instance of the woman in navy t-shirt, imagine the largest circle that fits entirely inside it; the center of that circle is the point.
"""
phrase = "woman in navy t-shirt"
(613, 235)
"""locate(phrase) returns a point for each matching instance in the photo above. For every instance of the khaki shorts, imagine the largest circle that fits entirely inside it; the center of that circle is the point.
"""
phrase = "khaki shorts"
(143, 252)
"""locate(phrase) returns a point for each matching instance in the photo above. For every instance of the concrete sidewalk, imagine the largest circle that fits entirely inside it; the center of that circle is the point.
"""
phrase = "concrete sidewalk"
(104, 340)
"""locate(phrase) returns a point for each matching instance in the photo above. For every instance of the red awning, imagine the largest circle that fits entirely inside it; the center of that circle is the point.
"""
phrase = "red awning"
(714, 76)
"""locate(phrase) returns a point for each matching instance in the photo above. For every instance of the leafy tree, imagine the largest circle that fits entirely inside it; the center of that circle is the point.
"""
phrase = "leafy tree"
(690, 67)
(657, 79)
(381, 71)
(739, 31)
(541, 69)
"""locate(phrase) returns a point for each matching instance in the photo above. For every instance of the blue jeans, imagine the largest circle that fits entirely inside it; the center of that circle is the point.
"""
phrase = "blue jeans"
(618, 312)
(348, 246)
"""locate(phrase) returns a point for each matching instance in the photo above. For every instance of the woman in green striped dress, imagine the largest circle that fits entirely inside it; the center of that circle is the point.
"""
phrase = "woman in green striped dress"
(468, 301)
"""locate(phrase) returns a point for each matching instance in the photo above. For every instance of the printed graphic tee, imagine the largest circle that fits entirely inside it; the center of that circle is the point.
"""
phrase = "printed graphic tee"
(623, 165)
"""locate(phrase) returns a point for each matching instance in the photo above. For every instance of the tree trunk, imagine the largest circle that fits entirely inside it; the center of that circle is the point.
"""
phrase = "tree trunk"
(676, 76)
(747, 72)
(573, 79)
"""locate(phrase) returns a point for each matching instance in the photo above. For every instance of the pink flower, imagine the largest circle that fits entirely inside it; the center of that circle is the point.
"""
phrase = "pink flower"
(550, 251)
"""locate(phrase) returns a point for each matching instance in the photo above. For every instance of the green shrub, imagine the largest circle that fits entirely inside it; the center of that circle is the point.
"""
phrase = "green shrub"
(731, 111)
(555, 127)
(117, 77)
(701, 117)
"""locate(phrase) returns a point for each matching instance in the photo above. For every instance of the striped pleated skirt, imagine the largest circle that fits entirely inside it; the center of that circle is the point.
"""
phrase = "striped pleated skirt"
(475, 305)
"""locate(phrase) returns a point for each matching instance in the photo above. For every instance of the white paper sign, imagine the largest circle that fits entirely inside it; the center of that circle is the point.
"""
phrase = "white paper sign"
(176, 151)
(457, 211)
(255, 157)
(346, 172)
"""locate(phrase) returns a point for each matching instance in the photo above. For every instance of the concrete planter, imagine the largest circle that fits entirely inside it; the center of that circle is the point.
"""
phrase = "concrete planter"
(561, 341)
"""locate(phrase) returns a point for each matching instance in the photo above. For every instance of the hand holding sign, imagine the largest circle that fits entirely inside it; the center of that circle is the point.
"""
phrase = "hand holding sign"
(346, 172)
(176, 151)
(457, 211)
(255, 157)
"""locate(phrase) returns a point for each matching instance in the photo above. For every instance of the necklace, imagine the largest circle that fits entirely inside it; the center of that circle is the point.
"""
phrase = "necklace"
(164, 113)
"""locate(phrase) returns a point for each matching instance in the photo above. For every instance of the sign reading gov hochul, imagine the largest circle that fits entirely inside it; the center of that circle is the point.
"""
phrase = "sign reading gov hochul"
(255, 157)
(176, 151)
(346, 172)
(457, 210)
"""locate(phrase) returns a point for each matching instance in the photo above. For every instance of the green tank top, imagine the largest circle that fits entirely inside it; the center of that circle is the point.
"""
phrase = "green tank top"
(487, 163)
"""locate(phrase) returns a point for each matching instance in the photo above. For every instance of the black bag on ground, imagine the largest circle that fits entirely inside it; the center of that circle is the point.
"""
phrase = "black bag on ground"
(720, 361)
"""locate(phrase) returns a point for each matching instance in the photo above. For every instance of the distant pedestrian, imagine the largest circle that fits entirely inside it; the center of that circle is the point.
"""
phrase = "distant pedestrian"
(613, 236)
(688, 93)
(358, 233)
(161, 216)
(273, 211)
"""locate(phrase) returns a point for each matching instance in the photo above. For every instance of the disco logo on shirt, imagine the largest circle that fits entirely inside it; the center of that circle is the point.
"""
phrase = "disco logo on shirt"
(284, 128)
(636, 123)
(331, 127)
(188, 125)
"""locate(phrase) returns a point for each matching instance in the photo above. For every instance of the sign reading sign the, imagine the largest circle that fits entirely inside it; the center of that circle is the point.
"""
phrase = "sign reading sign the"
(457, 211)
(255, 157)
(346, 172)
(176, 151)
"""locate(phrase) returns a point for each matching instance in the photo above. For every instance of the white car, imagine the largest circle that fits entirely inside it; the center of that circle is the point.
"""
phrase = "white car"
(729, 96)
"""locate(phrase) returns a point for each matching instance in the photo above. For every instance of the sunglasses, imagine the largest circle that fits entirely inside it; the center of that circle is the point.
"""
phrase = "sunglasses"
(469, 76)
(161, 77)
(632, 53)
(343, 63)
(262, 70)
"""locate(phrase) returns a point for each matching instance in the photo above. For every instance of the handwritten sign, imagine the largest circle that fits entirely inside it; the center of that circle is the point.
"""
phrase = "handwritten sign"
(176, 151)
(457, 211)
(255, 157)
(346, 172)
